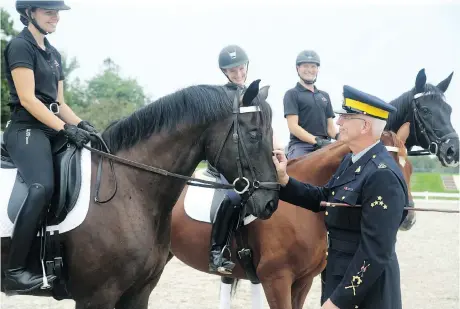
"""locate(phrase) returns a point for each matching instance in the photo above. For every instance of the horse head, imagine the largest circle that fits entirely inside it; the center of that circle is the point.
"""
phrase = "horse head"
(241, 145)
(432, 120)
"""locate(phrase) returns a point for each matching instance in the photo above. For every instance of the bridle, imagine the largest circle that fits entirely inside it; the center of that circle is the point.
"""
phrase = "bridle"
(240, 185)
(434, 142)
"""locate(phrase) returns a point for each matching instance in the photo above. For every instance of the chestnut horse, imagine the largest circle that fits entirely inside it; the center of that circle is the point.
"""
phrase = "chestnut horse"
(289, 249)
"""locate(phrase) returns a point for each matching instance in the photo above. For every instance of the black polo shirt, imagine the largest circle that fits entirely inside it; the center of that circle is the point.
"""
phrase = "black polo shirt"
(313, 109)
(23, 51)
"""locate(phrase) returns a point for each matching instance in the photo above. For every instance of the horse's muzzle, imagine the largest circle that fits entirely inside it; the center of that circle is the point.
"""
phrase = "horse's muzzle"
(268, 211)
(449, 153)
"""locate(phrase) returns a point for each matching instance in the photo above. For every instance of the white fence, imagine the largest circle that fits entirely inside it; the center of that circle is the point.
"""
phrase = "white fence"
(433, 195)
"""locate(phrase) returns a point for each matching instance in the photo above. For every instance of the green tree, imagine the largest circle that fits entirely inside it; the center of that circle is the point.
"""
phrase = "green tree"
(109, 96)
(7, 32)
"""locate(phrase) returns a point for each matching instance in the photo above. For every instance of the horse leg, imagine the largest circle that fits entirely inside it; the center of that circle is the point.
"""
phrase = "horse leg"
(225, 292)
(137, 297)
(278, 292)
(101, 299)
(300, 289)
(257, 297)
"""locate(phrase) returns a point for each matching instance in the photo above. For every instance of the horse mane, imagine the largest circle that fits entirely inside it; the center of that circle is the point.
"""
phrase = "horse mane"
(192, 106)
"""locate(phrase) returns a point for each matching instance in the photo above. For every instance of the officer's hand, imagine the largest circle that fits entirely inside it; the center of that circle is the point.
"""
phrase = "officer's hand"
(280, 161)
(320, 142)
(88, 127)
(329, 305)
(78, 136)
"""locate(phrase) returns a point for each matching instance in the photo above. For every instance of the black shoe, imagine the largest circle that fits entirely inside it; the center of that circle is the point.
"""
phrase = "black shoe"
(217, 262)
(21, 280)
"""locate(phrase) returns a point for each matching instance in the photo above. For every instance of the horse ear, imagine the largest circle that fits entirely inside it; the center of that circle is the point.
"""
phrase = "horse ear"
(263, 92)
(403, 132)
(251, 93)
(420, 81)
(445, 83)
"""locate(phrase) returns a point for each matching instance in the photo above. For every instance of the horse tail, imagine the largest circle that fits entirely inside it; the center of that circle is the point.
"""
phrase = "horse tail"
(232, 281)
(234, 286)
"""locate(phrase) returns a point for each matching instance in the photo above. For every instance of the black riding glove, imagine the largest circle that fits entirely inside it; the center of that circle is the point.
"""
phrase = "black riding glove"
(321, 142)
(77, 136)
(88, 127)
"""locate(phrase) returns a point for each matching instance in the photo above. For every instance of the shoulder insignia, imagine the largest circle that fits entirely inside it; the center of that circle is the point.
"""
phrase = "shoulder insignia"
(379, 202)
(382, 165)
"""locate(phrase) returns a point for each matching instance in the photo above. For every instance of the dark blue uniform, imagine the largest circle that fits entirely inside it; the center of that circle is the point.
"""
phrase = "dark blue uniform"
(362, 269)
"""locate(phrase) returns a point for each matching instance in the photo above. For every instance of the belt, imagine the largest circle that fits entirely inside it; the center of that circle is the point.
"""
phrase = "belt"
(342, 245)
(53, 107)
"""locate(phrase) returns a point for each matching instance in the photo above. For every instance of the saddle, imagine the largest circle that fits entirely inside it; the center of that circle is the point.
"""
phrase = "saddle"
(67, 177)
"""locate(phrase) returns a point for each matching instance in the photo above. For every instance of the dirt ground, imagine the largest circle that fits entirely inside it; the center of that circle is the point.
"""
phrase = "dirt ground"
(428, 257)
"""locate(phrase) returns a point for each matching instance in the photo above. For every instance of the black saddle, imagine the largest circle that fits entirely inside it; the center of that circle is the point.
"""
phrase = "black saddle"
(67, 177)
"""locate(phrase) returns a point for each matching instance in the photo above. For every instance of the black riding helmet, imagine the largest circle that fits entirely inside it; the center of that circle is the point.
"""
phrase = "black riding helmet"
(232, 56)
(307, 56)
(25, 9)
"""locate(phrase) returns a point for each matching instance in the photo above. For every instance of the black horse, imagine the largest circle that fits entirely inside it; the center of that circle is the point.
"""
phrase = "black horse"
(116, 256)
(429, 115)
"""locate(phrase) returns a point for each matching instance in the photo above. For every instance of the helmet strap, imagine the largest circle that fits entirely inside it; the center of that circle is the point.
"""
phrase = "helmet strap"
(34, 22)
(308, 82)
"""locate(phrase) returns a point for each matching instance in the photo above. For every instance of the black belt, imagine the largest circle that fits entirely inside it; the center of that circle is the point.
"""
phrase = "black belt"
(342, 245)
(53, 107)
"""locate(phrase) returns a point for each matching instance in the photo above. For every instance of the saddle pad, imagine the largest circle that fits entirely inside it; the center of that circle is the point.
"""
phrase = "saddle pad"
(198, 201)
(74, 218)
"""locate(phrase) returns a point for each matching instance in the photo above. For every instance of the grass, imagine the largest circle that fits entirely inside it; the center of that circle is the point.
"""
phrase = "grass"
(431, 182)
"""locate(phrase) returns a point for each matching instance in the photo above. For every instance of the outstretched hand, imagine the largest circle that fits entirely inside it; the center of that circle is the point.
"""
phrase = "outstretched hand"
(280, 161)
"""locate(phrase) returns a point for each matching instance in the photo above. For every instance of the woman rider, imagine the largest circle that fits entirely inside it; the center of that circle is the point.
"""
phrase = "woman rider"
(233, 61)
(38, 113)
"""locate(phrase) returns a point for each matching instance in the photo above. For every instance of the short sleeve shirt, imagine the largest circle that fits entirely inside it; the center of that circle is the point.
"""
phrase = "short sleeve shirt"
(23, 51)
(312, 108)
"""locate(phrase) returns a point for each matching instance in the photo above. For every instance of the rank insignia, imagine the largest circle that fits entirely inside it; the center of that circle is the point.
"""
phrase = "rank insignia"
(379, 202)
(358, 278)
(358, 170)
(382, 165)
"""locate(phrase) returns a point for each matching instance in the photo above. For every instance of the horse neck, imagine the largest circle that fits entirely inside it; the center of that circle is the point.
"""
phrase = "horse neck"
(178, 153)
(318, 167)
(402, 115)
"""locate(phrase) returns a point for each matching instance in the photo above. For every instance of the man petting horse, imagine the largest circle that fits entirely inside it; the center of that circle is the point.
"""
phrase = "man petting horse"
(362, 269)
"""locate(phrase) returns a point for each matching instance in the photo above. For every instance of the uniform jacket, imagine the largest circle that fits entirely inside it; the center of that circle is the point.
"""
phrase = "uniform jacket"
(362, 268)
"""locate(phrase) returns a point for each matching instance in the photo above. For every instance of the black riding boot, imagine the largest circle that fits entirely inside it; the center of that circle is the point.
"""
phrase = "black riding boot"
(224, 222)
(17, 277)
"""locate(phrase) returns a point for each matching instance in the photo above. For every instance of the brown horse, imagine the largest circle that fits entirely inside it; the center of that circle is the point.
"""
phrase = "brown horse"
(116, 256)
(289, 249)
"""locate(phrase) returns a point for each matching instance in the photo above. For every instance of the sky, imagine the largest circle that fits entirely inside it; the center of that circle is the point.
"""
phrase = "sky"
(377, 47)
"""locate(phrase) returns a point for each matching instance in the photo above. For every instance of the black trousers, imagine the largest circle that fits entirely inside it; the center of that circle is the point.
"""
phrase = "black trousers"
(29, 146)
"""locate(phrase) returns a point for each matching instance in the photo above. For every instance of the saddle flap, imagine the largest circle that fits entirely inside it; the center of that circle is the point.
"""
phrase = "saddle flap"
(67, 176)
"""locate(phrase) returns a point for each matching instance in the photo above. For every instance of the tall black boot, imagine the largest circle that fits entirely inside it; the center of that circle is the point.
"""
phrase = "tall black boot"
(17, 277)
(221, 229)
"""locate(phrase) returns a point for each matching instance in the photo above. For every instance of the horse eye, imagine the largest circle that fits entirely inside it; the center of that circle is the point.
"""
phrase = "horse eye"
(254, 134)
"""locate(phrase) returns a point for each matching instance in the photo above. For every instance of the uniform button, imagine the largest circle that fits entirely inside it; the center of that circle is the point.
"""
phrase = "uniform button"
(356, 306)
(326, 213)
(374, 156)
(343, 197)
(333, 193)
